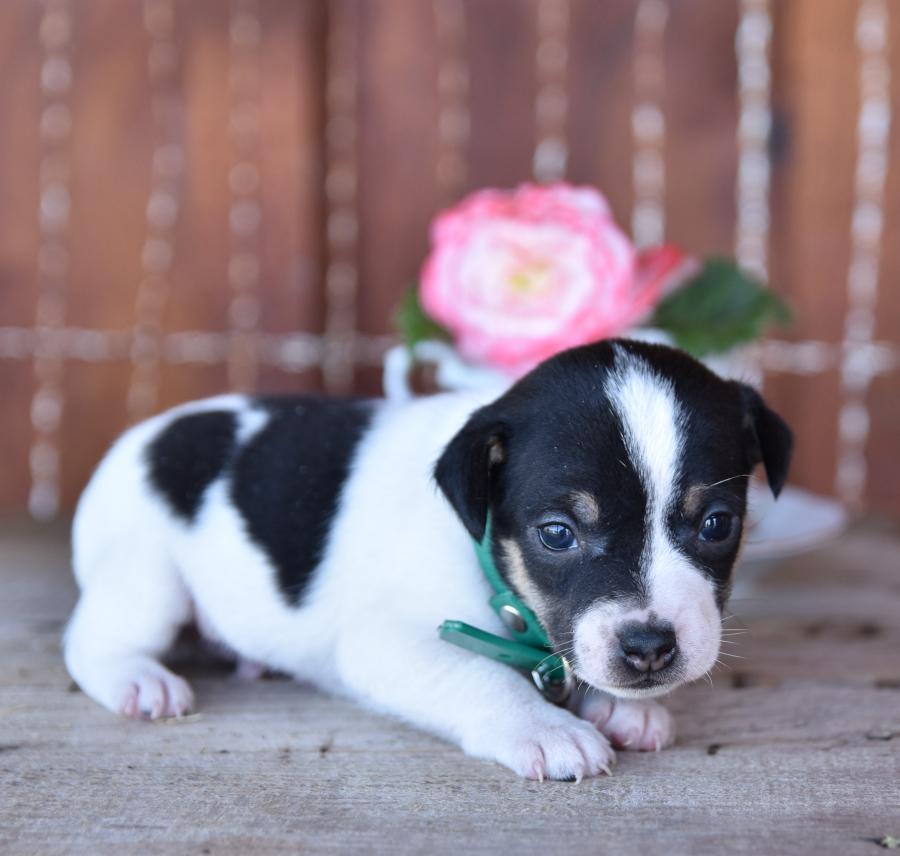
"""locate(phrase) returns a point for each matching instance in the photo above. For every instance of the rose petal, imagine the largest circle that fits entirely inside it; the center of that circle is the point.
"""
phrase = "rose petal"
(519, 275)
(660, 271)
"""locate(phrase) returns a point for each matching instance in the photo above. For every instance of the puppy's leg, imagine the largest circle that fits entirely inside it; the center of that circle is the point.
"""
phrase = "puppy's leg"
(129, 613)
(641, 725)
(490, 710)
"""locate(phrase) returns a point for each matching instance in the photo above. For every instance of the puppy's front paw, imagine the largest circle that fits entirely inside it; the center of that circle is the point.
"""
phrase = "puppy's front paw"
(545, 744)
(156, 695)
(644, 726)
(135, 686)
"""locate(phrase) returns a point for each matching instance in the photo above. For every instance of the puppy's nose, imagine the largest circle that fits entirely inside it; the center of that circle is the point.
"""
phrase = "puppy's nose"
(647, 647)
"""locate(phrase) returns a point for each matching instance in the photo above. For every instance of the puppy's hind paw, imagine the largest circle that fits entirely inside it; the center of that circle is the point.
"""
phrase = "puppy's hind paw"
(249, 670)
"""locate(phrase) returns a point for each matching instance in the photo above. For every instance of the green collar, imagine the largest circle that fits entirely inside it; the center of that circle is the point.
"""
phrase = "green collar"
(531, 650)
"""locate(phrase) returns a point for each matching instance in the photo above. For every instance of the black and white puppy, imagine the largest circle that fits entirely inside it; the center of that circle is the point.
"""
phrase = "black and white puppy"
(328, 539)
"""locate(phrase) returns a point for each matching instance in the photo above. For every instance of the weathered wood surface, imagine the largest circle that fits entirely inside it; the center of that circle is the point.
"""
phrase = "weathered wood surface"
(795, 749)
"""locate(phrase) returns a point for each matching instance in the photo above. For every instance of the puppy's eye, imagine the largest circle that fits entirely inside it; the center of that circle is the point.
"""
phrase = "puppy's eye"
(556, 536)
(717, 527)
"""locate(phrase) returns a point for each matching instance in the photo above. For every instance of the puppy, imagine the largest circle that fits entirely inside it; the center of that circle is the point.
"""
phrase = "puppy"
(330, 538)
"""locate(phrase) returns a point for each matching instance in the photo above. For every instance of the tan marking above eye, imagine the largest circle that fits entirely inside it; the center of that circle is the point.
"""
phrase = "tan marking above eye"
(585, 506)
(693, 500)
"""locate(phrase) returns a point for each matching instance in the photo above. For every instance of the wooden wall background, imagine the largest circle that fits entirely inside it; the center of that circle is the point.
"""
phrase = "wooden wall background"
(198, 195)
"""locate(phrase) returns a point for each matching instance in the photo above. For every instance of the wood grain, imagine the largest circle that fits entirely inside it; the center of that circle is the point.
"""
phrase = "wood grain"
(20, 110)
(701, 117)
(502, 43)
(795, 749)
(884, 395)
(814, 69)
(807, 402)
(397, 150)
(601, 88)
(815, 92)
(881, 450)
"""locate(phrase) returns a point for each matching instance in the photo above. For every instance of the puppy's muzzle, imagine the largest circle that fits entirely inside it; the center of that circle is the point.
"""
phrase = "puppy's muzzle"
(647, 648)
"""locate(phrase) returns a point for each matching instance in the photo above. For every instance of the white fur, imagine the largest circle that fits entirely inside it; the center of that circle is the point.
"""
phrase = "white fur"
(678, 592)
(396, 564)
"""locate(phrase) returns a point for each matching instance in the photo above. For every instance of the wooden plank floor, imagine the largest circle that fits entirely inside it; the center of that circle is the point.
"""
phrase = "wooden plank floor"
(795, 749)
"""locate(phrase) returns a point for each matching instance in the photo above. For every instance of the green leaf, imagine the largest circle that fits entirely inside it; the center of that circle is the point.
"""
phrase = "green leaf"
(413, 324)
(720, 308)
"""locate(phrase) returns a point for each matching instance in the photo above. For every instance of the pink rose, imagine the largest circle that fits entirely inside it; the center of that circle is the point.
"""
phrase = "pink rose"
(517, 276)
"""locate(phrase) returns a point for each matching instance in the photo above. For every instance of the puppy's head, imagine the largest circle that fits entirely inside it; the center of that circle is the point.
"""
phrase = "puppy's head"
(616, 476)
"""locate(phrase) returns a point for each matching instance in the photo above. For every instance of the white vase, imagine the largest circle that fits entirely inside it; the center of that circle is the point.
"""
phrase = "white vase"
(452, 372)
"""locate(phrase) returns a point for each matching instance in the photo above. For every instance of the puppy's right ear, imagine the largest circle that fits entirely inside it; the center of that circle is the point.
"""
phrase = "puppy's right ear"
(770, 439)
(468, 466)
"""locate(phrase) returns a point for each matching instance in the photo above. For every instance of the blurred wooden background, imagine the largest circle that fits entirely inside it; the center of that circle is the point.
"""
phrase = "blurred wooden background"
(198, 195)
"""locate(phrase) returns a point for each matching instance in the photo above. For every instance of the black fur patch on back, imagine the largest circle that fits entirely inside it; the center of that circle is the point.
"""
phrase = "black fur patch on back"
(287, 480)
(188, 456)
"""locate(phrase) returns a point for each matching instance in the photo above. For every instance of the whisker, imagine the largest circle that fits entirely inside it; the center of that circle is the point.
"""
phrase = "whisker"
(736, 656)
(567, 652)
(730, 478)
(545, 659)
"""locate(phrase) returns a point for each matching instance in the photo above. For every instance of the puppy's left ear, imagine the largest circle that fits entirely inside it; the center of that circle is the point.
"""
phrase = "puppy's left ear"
(770, 439)
(468, 466)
